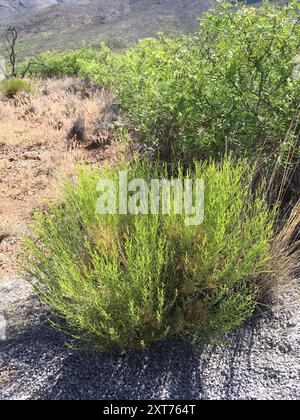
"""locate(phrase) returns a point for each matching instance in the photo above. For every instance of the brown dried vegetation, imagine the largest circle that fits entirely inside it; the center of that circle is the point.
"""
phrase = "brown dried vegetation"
(34, 157)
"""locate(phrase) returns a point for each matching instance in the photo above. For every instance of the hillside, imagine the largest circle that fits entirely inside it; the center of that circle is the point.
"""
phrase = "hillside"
(9, 9)
(118, 22)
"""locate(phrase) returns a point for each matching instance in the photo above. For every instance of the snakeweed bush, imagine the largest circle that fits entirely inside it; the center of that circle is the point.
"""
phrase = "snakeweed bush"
(124, 281)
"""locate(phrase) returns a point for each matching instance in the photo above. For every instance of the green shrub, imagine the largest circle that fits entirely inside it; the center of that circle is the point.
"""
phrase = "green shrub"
(67, 63)
(124, 281)
(228, 87)
(10, 87)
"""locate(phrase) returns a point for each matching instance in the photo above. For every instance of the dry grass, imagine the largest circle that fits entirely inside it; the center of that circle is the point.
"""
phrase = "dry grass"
(45, 116)
(285, 251)
(34, 159)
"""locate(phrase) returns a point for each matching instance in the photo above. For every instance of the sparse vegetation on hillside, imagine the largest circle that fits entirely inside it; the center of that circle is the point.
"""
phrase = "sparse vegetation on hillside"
(120, 23)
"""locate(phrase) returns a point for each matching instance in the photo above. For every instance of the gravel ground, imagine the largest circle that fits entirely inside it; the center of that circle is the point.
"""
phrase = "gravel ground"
(260, 361)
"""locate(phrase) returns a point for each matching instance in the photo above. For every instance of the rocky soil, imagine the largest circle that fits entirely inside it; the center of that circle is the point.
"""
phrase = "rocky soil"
(260, 361)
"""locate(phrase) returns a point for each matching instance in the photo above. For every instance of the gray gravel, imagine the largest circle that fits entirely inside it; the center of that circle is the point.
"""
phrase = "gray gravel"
(260, 361)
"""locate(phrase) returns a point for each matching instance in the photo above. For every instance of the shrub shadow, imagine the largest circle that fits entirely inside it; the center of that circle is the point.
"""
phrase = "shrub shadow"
(37, 359)
(170, 370)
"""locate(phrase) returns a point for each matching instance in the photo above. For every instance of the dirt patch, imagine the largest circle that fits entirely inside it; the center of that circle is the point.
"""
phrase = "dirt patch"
(34, 156)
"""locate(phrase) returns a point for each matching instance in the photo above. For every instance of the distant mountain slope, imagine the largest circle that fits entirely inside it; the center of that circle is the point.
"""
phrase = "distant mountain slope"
(118, 22)
(9, 9)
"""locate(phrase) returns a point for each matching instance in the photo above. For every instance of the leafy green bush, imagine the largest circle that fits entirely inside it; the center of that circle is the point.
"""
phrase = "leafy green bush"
(228, 87)
(10, 87)
(124, 281)
(67, 63)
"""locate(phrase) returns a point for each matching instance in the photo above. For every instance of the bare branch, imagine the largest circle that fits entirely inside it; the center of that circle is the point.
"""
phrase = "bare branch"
(29, 65)
(9, 37)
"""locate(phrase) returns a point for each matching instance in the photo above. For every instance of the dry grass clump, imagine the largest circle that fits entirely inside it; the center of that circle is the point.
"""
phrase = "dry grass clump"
(285, 252)
(77, 132)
